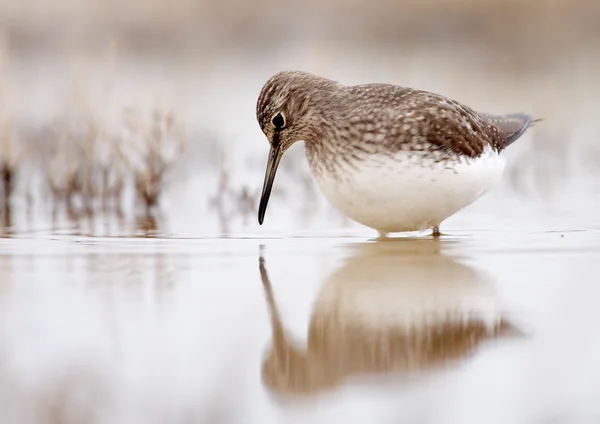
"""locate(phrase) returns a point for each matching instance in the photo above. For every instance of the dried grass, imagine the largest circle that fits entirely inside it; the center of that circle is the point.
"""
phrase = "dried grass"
(10, 156)
(91, 166)
(157, 141)
(230, 202)
(87, 162)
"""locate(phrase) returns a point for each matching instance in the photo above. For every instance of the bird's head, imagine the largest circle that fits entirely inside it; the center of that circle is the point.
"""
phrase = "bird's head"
(287, 111)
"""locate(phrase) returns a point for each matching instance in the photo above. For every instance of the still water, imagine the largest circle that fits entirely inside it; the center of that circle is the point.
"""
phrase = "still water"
(481, 326)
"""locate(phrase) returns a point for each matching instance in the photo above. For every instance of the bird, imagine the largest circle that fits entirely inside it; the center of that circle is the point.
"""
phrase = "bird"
(392, 158)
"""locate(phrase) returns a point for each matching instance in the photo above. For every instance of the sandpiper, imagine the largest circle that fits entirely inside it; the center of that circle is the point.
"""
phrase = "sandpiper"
(392, 158)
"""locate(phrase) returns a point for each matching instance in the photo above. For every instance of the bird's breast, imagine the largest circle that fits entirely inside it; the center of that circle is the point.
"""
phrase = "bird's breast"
(405, 191)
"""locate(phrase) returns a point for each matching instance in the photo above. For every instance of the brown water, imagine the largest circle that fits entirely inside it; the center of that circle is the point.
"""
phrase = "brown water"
(482, 326)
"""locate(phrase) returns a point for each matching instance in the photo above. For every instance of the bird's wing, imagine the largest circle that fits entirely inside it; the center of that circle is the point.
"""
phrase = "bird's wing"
(426, 120)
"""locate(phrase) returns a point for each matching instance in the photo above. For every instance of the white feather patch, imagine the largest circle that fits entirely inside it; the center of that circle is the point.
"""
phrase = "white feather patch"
(408, 191)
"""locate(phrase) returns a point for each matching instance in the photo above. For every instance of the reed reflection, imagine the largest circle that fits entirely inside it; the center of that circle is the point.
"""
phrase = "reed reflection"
(393, 307)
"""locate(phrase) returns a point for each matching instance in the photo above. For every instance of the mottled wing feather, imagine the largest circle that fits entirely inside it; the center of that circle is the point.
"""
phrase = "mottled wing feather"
(447, 125)
(396, 118)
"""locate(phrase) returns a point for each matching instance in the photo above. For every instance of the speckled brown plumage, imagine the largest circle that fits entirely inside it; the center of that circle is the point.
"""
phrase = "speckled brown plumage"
(339, 122)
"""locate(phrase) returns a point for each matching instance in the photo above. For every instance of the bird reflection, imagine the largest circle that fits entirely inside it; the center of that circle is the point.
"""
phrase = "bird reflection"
(393, 307)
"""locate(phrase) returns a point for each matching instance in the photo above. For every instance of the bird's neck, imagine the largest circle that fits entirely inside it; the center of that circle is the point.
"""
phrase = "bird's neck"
(323, 150)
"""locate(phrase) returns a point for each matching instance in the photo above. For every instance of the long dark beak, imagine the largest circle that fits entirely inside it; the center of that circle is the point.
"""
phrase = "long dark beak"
(274, 158)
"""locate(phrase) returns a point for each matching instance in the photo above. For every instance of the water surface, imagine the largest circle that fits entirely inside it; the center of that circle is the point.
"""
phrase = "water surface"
(482, 326)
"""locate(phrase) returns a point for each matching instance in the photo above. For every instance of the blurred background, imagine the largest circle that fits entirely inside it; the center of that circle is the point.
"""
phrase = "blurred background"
(138, 116)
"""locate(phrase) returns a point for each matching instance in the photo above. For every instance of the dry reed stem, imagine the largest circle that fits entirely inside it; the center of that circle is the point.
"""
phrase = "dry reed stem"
(158, 143)
(217, 201)
(10, 156)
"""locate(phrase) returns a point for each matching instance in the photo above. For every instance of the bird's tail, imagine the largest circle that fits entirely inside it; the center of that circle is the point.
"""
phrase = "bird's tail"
(513, 125)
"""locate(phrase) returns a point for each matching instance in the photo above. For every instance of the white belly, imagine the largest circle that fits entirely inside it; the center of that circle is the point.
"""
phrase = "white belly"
(408, 192)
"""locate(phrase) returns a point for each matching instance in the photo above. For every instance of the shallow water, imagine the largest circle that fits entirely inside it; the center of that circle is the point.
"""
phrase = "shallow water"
(481, 326)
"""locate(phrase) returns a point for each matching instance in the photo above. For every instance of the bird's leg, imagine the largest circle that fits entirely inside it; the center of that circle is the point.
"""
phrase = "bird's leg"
(382, 235)
(436, 232)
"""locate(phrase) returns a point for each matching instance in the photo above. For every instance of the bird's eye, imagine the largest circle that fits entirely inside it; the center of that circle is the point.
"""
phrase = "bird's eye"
(278, 121)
